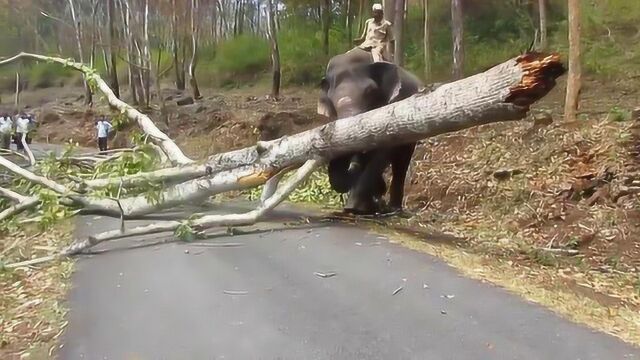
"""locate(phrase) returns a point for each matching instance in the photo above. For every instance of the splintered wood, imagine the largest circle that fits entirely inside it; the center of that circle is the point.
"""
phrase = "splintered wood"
(540, 73)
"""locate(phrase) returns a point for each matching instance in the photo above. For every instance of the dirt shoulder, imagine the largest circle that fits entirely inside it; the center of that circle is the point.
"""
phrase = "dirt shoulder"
(32, 306)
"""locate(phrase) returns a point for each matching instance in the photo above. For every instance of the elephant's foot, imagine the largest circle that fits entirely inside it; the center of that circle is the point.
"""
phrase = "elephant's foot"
(396, 211)
(363, 206)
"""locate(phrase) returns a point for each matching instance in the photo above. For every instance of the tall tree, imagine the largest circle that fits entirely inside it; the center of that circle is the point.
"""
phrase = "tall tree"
(326, 26)
(275, 51)
(390, 14)
(427, 40)
(145, 57)
(400, 13)
(542, 14)
(113, 70)
(361, 15)
(348, 24)
(195, 28)
(575, 68)
(88, 100)
(457, 28)
(178, 65)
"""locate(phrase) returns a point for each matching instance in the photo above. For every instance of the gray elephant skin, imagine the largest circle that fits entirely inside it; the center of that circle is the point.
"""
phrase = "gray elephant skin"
(353, 84)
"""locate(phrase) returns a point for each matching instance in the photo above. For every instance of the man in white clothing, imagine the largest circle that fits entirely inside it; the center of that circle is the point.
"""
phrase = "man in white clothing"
(23, 125)
(104, 127)
(377, 35)
(6, 128)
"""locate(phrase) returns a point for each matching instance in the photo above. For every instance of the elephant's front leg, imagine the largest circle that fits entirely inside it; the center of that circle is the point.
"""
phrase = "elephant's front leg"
(367, 192)
(400, 161)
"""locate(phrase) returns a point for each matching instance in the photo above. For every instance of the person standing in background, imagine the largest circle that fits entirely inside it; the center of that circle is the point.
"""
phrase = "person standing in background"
(6, 128)
(23, 125)
(104, 127)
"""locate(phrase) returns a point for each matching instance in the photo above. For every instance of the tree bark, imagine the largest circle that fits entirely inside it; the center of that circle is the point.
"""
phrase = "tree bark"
(457, 27)
(399, 32)
(326, 26)
(195, 28)
(542, 14)
(427, 40)
(275, 51)
(575, 69)
(113, 69)
(88, 100)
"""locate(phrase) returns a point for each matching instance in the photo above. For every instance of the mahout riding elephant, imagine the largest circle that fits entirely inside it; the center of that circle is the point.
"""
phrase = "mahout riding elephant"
(353, 84)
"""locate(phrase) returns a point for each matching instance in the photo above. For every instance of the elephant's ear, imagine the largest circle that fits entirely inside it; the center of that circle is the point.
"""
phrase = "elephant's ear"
(325, 106)
(387, 76)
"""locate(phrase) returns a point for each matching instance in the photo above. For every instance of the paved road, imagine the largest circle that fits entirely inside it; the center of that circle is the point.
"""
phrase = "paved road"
(258, 298)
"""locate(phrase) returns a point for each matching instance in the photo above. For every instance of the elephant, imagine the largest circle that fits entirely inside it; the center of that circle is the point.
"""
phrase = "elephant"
(353, 84)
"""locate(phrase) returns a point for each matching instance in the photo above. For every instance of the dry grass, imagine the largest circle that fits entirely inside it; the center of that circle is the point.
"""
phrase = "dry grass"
(31, 310)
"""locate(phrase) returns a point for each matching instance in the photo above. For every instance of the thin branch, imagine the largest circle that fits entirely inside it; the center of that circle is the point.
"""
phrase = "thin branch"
(32, 177)
(12, 195)
(16, 209)
(27, 149)
(11, 152)
(146, 124)
(206, 221)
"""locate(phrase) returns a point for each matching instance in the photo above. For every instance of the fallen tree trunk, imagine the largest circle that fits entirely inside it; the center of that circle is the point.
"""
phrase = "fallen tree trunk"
(502, 93)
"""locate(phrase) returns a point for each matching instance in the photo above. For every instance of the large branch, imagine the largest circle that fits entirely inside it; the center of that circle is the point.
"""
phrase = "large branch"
(168, 146)
(208, 221)
(60, 189)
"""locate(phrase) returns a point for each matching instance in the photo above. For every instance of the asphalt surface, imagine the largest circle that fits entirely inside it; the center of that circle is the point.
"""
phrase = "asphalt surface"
(256, 296)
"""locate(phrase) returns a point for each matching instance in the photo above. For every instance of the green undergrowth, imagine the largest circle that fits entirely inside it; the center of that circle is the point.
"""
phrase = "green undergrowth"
(315, 190)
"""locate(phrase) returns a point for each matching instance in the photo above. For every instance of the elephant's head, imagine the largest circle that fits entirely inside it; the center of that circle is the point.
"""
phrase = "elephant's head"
(354, 89)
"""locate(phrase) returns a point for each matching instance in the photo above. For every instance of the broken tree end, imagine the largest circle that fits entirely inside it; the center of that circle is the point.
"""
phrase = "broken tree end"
(540, 72)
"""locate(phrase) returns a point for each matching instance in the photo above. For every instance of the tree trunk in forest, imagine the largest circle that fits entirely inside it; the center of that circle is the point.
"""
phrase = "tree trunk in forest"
(113, 69)
(88, 99)
(457, 27)
(195, 28)
(575, 68)
(348, 23)
(398, 52)
(275, 51)
(390, 14)
(146, 57)
(326, 26)
(179, 67)
(361, 17)
(427, 40)
(542, 14)
(126, 21)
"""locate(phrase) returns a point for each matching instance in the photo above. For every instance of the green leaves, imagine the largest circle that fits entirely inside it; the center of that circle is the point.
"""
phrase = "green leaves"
(316, 190)
(185, 232)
